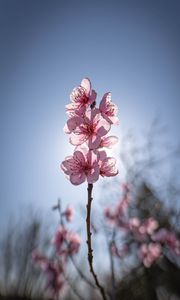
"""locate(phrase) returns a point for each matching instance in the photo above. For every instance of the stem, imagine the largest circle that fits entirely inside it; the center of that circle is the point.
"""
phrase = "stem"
(90, 250)
(112, 271)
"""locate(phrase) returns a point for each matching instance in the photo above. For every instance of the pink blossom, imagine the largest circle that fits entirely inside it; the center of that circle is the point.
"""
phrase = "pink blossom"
(111, 216)
(72, 123)
(68, 213)
(81, 166)
(91, 130)
(160, 235)
(108, 109)
(123, 205)
(59, 237)
(134, 223)
(40, 259)
(151, 225)
(107, 165)
(53, 270)
(108, 141)
(149, 253)
(55, 279)
(82, 96)
(74, 242)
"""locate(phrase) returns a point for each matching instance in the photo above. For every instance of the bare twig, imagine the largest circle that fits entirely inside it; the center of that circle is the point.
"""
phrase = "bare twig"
(90, 251)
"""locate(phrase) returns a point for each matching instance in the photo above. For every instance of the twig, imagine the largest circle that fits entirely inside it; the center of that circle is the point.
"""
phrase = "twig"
(90, 251)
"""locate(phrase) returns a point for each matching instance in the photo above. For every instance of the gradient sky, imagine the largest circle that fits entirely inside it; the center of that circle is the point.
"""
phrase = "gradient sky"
(131, 48)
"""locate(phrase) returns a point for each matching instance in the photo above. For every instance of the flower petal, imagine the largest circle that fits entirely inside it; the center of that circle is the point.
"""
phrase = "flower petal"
(77, 139)
(94, 141)
(102, 127)
(78, 155)
(77, 178)
(108, 167)
(105, 99)
(93, 174)
(108, 141)
(86, 84)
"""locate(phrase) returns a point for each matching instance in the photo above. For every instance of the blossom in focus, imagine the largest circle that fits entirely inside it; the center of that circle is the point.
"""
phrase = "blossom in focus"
(107, 165)
(72, 123)
(93, 127)
(88, 127)
(81, 97)
(108, 109)
(81, 166)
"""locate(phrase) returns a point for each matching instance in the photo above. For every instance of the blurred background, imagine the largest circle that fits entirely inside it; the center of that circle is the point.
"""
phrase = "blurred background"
(131, 48)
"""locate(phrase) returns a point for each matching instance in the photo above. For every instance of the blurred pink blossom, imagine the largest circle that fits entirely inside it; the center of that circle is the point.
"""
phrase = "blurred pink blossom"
(59, 237)
(74, 242)
(53, 270)
(68, 213)
(149, 253)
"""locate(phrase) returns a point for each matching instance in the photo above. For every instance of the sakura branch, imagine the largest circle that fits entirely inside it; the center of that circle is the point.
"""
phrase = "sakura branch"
(65, 245)
(88, 127)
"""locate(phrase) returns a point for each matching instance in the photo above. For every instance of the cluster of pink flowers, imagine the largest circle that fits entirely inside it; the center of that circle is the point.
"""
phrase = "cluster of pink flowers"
(66, 243)
(149, 253)
(151, 240)
(88, 127)
(53, 269)
(116, 216)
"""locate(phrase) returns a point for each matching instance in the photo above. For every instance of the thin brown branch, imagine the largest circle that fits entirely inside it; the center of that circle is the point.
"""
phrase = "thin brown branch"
(90, 250)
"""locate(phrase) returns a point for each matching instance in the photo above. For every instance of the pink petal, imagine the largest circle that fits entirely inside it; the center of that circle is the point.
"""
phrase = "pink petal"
(106, 98)
(86, 84)
(71, 108)
(102, 127)
(83, 148)
(67, 164)
(92, 97)
(102, 155)
(66, 129)
(93, 115)
(113, 120)
(108, 167)
(77, 178)
(93, 174)
(108, 141)
(72, 123)
(77, 139)
(92, 158)
(94, 141)
(78, 155)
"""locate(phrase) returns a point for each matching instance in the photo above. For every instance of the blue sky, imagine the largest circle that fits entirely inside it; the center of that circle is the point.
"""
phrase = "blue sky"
(131, 48)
